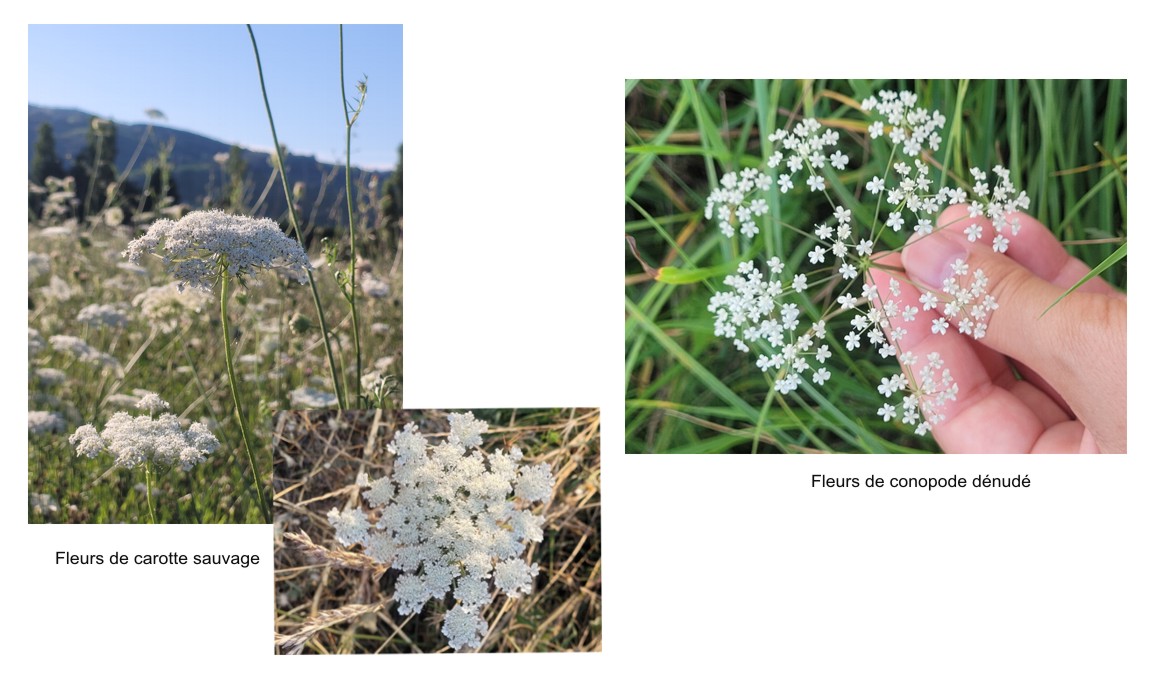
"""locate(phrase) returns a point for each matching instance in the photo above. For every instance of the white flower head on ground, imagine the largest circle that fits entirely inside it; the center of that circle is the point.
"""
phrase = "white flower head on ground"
(452, 519)
(200, 247)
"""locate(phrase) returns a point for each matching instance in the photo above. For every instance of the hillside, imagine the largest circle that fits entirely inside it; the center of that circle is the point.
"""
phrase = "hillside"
(196, 174)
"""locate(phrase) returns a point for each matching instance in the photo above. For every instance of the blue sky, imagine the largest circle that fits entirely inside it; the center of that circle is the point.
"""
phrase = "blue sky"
(204, 79)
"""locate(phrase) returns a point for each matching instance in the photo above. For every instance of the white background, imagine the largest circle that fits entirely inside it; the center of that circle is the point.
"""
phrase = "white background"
(714, 567)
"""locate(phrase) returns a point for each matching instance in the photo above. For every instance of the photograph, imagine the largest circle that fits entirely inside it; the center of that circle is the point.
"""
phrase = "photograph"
(875, 266)
(431, 531)
(214, 236)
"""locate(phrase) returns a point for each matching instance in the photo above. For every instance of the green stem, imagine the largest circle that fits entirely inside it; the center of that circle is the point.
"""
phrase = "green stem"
(149, 492)
(297, 231)
(349, 125)
(258, 488)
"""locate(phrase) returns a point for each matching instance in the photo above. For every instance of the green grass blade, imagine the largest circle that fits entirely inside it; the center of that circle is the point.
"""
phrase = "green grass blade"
(1101, 267)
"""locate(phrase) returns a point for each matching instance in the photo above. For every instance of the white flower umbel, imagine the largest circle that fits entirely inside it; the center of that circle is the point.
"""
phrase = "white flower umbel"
(40, 422)
(311, 398)
(754, 313)
(926, 393)
(134, 441)
(103, 315)
(913, 129)
(79, 349)
(999, 205)
(200, 247)
(168, 305)
(147, 440)
(374, 287)
(728, 203)
(453, 519)
(806, 149)
(205, 248)
(965, 302)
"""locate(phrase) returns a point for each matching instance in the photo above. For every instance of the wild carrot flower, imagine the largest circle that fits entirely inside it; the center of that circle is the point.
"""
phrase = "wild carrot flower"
(374, 287)
(167, 305)
(134, 441)
(453, 519)
(311, 398)
(204, 245)
(44, 422)
(79, 349)
(103, 315)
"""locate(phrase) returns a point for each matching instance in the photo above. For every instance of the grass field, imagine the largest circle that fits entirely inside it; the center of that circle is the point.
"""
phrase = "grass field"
(333, 600)
(277, 346)
(1064, 143)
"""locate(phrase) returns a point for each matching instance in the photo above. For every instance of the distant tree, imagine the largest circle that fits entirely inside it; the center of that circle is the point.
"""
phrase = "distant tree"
(236, 168)
(94, 167)
(45, 162)
(392, 196)
(158, 185)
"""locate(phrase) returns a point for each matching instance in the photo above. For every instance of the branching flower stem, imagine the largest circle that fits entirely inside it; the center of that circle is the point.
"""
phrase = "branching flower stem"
(337, 386)
(349, 126)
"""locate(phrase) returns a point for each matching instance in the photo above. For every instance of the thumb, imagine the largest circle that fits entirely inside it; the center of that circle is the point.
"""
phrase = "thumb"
(1065, 346)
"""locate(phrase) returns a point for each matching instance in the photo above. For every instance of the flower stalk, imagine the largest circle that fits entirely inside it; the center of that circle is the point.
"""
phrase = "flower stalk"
(351, 284)
(258, 488)
(337, 385)
(149, 492)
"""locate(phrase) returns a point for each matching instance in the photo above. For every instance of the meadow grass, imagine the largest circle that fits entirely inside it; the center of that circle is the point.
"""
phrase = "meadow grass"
(333, 601)
(186, 366)
(687, 391)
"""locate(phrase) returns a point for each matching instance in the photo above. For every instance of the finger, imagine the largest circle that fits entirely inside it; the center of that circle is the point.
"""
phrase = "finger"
(983, 384)
(1066, 346)
(1035, 247)
(988, 394)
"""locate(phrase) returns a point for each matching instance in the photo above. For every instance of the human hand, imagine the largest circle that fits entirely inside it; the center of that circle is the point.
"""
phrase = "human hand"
(1071, 392)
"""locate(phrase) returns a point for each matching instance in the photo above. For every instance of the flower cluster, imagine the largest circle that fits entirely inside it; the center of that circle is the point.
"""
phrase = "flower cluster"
(312, 398)
(999, 206)
(79, 349)
(133, 441)
(451, 518)
(168, 305)
(841, 246)
(374, 287)
(807, 143)
(729, 203)
(204, 245)
(103, 315)
(752, 312)
(926, 392)
(967, 307)
(878, 321)
(35, 343)
(40, 422)
(913, 128)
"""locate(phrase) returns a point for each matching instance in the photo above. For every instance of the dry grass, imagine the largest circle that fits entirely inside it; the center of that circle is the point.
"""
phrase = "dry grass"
(330, 600)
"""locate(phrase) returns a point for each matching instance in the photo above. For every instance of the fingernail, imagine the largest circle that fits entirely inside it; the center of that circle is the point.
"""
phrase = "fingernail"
(929, 258)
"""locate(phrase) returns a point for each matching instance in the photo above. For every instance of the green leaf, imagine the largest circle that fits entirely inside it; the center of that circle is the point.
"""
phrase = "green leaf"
(672, 275)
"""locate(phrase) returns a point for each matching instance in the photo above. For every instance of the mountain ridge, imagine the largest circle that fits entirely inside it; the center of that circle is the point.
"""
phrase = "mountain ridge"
(197, 175)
